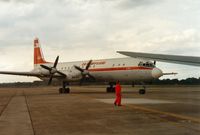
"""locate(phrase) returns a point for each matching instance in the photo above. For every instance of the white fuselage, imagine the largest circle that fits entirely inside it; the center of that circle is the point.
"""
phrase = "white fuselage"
(123, 69)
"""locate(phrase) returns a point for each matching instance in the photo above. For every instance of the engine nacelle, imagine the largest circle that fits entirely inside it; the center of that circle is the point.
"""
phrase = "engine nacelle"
(74, 75)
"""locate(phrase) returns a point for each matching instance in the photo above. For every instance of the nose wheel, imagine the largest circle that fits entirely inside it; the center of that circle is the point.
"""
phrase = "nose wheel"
(142, 91)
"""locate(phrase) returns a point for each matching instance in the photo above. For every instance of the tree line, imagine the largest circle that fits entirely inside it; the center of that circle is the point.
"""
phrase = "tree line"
(188, 81)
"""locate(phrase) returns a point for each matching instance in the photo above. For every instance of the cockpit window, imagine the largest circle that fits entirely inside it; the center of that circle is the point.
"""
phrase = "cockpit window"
(146, 64)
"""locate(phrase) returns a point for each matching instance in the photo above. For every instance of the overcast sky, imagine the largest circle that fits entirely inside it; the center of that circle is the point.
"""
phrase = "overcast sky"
(93, 29)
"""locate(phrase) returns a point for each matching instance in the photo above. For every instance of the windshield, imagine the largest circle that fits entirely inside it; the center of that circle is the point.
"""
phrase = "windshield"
(146, 64)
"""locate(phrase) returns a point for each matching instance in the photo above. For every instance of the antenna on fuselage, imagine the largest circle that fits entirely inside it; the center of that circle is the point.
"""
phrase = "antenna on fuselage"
(154, 62)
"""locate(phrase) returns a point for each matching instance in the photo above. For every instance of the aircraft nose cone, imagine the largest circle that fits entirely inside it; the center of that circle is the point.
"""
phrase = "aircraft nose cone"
(156, 73)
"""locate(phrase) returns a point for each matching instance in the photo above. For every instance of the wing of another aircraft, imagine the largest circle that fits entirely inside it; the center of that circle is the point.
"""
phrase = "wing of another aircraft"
(186, 60)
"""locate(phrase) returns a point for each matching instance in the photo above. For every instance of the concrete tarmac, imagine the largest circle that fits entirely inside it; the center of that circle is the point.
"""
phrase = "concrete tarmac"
(89, 110)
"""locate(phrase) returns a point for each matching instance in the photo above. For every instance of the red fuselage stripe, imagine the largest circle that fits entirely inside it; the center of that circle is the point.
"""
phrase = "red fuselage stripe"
(119, 68)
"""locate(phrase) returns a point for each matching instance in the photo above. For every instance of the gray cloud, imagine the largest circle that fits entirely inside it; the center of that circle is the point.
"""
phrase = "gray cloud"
(5, 0)
(17, 1)
(130, 4)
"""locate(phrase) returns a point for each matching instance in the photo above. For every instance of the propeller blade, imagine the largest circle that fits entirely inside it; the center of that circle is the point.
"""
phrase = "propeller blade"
(46, 67)
(61, 73)
(85, 72)
(88, 64)
(78, 68)
(50, 80)
(56, 62)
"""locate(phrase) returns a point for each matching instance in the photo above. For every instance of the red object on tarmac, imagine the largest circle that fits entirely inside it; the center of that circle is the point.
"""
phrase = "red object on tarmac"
(118, 94)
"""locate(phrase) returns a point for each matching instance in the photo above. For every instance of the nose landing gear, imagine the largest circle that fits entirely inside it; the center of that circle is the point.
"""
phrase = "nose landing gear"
(143, 90)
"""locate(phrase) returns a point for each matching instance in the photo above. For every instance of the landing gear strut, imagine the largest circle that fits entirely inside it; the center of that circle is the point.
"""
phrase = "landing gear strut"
(143, 90)
(110, 89)
(64, 89)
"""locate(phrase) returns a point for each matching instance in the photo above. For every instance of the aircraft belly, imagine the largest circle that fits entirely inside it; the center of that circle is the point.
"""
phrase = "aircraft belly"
(127, 75)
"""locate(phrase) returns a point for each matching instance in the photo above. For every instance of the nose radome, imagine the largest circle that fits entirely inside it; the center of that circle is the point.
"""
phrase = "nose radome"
(156, 73)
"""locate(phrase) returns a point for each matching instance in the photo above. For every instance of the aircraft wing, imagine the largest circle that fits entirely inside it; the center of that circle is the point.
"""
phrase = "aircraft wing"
(35, 74)
(186, 60)
(21, 73)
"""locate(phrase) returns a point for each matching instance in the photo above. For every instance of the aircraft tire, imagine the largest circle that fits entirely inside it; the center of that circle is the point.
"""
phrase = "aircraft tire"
(60, 90)
(113, 89)
(67, 90)
(142, 91)
(108, 89)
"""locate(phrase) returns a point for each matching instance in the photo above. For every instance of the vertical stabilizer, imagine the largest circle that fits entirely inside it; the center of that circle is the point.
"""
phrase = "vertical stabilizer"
(38, 55)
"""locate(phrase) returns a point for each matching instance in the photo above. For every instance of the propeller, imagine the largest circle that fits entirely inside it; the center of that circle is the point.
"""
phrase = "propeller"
(85, 72)
(53, 70)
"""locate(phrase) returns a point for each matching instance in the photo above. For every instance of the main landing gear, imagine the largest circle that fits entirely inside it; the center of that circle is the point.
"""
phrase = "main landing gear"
(110, 89)
(64, 89)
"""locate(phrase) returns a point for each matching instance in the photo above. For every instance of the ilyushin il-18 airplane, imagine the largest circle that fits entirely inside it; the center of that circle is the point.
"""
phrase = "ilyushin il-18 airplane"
(108, 70)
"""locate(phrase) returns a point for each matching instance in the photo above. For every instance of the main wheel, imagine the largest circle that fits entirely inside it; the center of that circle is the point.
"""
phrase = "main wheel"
(113, 89)
(108, 89)
(66, 90)
(60, 90)
(142, 91)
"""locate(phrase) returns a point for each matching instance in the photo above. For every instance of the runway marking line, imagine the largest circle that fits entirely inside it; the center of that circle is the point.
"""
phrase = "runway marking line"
(29, 112)
(8, 102)
(178, 116)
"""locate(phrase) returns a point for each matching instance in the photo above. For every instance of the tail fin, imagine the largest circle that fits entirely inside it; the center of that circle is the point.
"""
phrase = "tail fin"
(38, 55)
